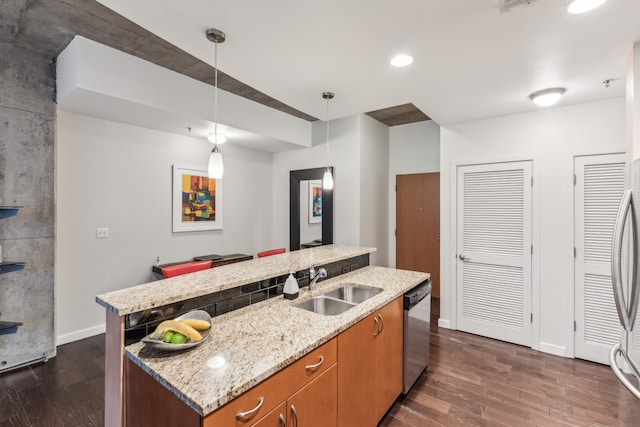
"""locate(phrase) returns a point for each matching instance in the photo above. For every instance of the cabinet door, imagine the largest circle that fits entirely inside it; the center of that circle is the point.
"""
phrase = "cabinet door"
(275, 418)
(389, 356)
(356, 374)
(316, 404)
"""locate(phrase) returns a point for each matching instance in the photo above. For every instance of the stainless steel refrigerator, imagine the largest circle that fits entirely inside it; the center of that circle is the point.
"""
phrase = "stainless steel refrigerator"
(624, 357)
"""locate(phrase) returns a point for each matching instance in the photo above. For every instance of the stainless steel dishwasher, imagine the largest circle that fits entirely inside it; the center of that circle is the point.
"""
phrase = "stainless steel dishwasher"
(417, 312)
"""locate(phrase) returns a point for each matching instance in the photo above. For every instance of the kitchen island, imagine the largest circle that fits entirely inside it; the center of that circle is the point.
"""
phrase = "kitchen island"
(249, 345)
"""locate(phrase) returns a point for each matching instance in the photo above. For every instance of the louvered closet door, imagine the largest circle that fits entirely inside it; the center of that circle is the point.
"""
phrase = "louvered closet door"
(600, 183)
(494, 251)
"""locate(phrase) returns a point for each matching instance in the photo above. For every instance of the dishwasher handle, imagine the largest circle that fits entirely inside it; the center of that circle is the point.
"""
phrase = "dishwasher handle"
(417, 294)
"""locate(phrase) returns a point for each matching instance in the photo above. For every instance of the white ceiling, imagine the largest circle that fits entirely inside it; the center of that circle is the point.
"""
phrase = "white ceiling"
(472, 61)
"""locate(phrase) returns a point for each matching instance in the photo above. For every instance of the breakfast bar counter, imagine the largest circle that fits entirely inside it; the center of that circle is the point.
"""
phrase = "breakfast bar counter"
(248, 345)
(120, 303)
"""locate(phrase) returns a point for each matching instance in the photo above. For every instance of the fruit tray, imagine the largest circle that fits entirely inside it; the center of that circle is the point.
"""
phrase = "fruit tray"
(154, 340)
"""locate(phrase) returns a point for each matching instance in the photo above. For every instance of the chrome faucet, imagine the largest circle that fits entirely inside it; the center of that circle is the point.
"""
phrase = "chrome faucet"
(314, 276)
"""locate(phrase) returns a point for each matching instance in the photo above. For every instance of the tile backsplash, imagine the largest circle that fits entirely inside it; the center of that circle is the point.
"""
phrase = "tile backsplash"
(138, 325)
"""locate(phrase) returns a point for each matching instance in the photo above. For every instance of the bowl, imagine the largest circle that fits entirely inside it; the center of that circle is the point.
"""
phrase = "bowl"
(158, 344)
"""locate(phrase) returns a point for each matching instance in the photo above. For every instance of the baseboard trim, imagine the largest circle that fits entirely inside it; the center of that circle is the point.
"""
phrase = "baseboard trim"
(553, 349)
(444, 323)
(79, 335)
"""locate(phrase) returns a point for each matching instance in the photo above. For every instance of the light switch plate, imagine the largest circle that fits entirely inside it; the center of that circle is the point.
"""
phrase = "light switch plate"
(102, 233)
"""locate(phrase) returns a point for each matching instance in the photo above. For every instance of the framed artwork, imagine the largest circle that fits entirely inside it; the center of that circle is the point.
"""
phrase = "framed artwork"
(315, 201)
(197, 200)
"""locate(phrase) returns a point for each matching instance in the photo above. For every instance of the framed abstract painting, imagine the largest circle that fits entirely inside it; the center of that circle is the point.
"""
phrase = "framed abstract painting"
(197, 200)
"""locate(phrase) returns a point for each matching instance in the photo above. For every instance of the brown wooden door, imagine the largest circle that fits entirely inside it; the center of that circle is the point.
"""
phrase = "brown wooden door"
(418, 225)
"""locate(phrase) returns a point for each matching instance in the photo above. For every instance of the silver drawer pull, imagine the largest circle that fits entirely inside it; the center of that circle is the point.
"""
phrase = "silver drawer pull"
(381, 323)
(241, 415)
(312, 367)
(283, 423)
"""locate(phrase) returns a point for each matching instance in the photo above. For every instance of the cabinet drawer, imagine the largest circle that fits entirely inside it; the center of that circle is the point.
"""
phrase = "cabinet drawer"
(310, 366)
(274, 390)
(254, 403)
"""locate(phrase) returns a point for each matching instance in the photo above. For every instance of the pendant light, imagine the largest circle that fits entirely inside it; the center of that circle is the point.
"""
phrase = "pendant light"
(327, 178)
(216, 168)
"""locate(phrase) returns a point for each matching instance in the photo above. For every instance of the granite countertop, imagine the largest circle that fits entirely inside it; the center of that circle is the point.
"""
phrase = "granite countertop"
(249, 345)
(180, 288)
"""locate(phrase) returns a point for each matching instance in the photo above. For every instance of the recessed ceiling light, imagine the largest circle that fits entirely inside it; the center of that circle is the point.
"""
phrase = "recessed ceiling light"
(582, 6)
(547, 97)
(401, 60)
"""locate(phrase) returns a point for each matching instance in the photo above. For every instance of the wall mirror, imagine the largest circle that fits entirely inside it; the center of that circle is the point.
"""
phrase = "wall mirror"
(310, 216)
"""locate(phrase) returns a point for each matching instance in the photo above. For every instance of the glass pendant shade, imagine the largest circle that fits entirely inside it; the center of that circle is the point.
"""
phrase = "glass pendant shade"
(216, 168)
(327, 180)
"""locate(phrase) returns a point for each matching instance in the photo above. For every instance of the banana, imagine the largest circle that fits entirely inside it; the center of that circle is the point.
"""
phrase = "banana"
(177, 326)
(197, 324)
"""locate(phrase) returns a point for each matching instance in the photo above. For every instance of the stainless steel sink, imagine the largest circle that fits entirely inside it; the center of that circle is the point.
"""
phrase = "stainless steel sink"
(353, 293)
(338, 300)
(323, 305)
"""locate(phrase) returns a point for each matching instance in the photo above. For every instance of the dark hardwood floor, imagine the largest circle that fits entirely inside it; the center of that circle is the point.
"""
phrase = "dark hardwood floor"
(67, 390)
(471, 381)
(477, 381)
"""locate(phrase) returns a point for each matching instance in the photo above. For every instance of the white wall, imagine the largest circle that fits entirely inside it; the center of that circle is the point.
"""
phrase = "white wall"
(413, 148)
(550, 138)
(119, 176)
(374, 191)
(358, 147)
(344, 157)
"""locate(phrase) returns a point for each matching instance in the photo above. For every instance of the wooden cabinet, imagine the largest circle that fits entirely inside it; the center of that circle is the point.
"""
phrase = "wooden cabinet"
(352, 380)
(275, 418)
(302, 374)
(370, 367)
(315, 405)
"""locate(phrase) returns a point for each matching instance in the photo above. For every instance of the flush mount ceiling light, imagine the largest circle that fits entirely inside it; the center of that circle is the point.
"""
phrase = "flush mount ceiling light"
(582, 6)
(327, 178)
(547, 97)
(401, 60)
(216, 167)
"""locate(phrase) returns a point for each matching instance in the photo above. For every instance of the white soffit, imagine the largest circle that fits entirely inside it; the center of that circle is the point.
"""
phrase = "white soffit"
(99, 81)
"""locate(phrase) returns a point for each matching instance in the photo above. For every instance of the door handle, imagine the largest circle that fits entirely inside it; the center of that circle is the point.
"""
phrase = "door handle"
(464, 258)
(377, 324)
(626, 311)
(295, 414)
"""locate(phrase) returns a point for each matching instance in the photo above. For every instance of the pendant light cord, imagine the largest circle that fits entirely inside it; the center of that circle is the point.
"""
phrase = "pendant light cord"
(328, 132)
(215, 97)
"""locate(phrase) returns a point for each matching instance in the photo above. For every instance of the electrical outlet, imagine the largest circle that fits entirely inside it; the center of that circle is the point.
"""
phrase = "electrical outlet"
(102, 233)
